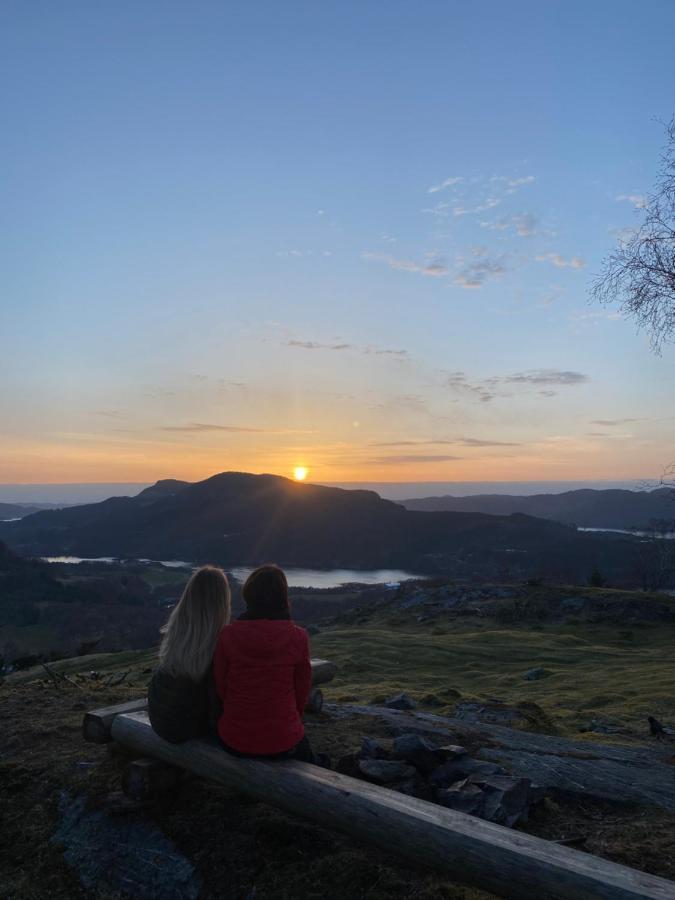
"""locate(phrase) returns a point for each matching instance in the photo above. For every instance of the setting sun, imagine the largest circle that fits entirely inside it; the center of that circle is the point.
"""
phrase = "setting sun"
(300, 473)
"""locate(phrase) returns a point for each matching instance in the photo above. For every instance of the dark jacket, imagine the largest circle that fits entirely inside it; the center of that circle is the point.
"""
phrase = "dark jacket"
(181, 709)
(263, 675)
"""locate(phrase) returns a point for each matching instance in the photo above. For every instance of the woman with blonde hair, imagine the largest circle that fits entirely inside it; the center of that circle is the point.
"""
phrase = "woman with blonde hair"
(182, 702)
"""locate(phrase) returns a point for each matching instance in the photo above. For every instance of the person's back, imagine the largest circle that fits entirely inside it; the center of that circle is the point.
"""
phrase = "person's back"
(262, 668)
(182, 701)
(263, 673)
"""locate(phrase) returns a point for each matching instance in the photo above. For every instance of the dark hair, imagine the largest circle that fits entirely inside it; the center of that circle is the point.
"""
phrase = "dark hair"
(265, 593)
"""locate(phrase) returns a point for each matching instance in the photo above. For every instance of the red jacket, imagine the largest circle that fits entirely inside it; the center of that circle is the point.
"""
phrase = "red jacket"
(263, 676)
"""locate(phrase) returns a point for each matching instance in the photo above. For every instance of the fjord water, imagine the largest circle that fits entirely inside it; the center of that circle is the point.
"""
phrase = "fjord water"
(309, 578)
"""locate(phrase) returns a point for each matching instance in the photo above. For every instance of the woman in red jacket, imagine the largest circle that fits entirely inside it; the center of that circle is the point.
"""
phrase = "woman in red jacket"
(263, 674)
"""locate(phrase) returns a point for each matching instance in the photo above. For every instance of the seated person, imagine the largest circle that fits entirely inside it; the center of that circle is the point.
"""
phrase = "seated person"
(263, 674)
(182, 702)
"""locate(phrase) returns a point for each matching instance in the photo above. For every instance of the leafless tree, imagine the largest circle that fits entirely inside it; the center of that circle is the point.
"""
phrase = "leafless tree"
(640, 273)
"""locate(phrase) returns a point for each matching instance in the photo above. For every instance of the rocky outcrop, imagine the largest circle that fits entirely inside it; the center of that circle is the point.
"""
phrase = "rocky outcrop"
(447, 775)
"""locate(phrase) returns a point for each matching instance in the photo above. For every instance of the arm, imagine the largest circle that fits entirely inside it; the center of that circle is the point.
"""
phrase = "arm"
(303, 676)
(220, 669)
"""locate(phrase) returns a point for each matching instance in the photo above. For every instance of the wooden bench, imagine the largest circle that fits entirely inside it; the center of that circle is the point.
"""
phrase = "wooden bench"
(505, 862)
(96, 724)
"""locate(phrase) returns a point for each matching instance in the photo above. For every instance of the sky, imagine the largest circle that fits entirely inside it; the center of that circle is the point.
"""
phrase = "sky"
(355, 237)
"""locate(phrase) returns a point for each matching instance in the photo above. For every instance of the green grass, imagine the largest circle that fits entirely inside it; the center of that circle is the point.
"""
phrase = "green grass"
(618, 673)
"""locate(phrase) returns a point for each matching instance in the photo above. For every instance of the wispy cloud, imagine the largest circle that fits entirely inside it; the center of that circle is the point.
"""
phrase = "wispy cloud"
(369, 350)
(574, 262)
(316, 345)
(639, 201)
(547, 376)
(607, 423)
(474, 273)
(449, 182)
(524, 224)
(462, 441)
(435, 268)
(205, 427)
(412, 458)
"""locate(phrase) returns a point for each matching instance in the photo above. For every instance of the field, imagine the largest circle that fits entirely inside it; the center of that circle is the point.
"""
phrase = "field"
(608, 672)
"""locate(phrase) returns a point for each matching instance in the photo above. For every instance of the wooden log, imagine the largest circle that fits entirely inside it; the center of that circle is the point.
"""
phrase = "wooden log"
(146, 779)
(96, 724)
(323, 671)
(468, 849)
(315, 702)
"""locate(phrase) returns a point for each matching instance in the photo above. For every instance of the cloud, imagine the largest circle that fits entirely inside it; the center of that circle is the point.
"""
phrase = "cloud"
(490, 203)
(639, 201)
(315, 345)
(610, 422)
(547, 376)
(370, 350)
(476, 273)
(548, 393)
(514, 183)
(204, 427)
(106, 413)
(412, 458)
(458, 381)
(201, 427)
(524, 224)
(435, 268)
(574, 262)
(464, 442)
(377, 351)
(444, 184)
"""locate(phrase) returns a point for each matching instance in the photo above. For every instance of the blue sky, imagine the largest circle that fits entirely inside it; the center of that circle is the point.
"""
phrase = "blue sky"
(357, 237)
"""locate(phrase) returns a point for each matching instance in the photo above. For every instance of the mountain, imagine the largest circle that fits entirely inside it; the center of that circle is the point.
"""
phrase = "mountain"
(584, 508)
(240, 519)
(16, 510)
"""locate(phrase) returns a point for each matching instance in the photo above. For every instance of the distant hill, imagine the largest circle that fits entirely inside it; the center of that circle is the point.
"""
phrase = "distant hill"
(240, 519)
(585, 508)
(16, 510)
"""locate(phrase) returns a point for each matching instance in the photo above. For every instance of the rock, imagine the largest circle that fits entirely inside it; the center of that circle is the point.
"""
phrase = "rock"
(507, 799)
(536, 674)
(432, 699)
(416, 787)
(458, 769)
(400, 701)
(348, 765)
(385, 771)
(418, 751)
(371, 749)
(463, 797)
(122, 856)
(451, 751)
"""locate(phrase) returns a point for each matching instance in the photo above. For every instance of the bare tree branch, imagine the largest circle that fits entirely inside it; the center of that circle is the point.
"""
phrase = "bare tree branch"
(640, 273)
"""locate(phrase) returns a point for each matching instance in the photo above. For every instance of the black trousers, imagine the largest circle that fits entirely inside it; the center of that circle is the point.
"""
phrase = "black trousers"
(302, 752)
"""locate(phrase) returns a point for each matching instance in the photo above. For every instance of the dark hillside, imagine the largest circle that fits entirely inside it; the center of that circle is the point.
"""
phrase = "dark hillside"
(585, 508)
(237, 519)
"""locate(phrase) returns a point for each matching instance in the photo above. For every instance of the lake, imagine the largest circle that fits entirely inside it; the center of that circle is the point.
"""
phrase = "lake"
(666, 535)
(313, 578)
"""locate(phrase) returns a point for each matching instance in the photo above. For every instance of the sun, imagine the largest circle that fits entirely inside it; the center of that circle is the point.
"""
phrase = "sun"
(300, 473)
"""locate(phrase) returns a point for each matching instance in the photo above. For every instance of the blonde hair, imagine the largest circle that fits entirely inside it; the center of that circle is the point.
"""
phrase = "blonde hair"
(195, 622)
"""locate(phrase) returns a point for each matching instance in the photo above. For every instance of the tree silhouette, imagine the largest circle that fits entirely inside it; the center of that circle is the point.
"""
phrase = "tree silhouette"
(640, 273)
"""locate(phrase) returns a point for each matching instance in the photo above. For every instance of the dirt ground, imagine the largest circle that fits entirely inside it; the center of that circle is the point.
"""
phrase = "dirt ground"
(241, 850)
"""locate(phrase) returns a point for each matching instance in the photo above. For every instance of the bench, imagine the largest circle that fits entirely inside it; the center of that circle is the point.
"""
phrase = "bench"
(96, 724)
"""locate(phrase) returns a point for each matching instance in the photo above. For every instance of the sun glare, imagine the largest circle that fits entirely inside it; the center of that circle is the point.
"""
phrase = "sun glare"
(300, 473)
